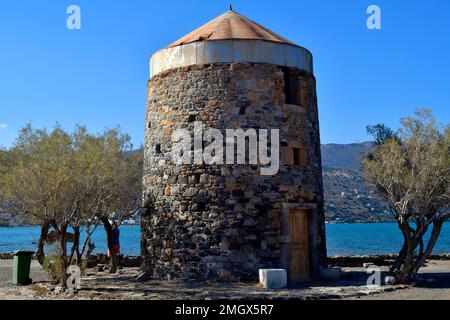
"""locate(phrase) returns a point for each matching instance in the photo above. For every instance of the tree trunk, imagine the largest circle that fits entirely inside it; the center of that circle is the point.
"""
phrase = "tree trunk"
(87, 243)
(112, 252)
(408, 264)
(63, 258)
(405, 273)
(400, 258)
(91, 247)
(79, 258)
(431, 244)
(40, 254)
(75, 246)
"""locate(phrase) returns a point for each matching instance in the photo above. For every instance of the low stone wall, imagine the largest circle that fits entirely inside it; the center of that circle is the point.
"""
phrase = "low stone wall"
(93, 261)
(6, 256)
(335, 261)
(124, 261)
(378, 260)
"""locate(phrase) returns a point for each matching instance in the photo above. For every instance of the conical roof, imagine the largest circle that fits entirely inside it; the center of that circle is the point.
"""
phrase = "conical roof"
(231, 26)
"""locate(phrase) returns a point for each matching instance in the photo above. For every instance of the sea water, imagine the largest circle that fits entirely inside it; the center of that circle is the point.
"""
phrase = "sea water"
(342, 239)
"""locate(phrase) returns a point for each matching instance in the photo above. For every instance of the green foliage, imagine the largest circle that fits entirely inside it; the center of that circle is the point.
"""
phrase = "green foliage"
(61, 177)
(381, 134)
(37, 173)
(65, 179)
(412, 172)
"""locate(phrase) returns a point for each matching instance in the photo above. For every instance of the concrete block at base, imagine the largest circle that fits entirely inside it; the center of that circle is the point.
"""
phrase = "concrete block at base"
(390, 280)
(273, 278)
(333, 274)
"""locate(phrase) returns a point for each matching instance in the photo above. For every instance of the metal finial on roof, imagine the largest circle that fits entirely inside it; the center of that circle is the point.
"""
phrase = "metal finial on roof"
(231, 7)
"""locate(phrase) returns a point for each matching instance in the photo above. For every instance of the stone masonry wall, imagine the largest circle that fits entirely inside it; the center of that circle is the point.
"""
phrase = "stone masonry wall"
(223, 222)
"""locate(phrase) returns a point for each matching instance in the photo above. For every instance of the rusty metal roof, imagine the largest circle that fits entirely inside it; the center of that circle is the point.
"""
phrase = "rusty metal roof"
(228, 26)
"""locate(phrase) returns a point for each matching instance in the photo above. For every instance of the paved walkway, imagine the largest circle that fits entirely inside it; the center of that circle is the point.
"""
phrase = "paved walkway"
(6, 273)
(8, 291)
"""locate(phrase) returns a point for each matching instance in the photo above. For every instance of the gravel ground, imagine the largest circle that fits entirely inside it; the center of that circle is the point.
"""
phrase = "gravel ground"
(435, 284)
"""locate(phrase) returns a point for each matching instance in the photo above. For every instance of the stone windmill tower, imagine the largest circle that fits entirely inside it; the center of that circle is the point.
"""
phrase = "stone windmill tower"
(224, 222)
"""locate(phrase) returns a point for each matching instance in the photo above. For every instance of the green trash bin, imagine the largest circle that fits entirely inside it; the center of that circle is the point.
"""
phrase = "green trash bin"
(22, 265)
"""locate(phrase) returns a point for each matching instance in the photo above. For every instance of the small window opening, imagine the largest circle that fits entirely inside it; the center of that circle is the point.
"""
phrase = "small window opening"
(201, 207)
(296, 153)
(288, 89)
(158, 149)
(291, 88)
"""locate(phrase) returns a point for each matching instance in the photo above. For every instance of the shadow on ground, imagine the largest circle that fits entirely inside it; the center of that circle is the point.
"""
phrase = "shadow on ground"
(434, 280)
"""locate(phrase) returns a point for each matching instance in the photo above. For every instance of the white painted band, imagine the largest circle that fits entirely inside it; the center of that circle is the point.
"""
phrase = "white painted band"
(229, 51)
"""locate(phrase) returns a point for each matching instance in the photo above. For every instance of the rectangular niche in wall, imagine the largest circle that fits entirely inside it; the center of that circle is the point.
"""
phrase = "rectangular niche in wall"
(291, 88)
(296, 154)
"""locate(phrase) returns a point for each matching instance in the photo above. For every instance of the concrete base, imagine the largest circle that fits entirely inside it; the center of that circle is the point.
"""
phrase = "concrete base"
(273, 278)
(390, 280)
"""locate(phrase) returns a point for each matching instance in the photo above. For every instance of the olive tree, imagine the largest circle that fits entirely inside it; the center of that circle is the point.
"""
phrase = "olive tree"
(118, 191)
(70, 180)
(41, 177)
(411, 171)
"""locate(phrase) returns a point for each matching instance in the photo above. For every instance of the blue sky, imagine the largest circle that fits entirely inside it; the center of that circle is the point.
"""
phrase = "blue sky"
(97, 76)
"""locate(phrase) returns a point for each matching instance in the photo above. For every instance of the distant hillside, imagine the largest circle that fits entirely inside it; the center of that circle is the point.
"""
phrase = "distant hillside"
(344, 156)
(14, 220)
(347, 197)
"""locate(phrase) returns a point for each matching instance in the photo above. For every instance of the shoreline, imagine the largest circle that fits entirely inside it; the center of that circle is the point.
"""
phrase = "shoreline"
(327, 222)
(343, 240)
(333, 261)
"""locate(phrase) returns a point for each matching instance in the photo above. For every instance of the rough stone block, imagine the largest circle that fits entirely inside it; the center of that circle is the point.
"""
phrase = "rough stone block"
(273, 278)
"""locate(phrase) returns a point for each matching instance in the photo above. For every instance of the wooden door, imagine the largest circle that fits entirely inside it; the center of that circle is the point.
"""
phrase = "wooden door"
(299, 263)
